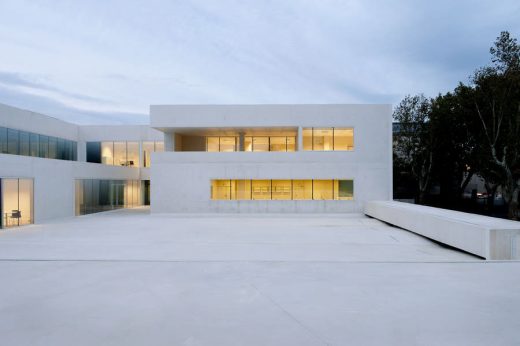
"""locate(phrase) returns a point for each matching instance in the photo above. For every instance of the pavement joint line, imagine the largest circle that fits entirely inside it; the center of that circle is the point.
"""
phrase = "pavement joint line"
(253, 261)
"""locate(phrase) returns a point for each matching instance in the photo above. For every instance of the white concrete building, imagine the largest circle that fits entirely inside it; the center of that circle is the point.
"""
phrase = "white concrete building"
(272, 158)
(256, 158)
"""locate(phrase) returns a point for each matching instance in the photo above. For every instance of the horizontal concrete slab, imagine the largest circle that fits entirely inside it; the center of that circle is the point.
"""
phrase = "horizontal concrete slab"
(487, 237)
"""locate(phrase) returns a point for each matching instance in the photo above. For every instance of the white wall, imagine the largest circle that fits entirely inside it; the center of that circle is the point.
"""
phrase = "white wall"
(181, 180)
(54, 181)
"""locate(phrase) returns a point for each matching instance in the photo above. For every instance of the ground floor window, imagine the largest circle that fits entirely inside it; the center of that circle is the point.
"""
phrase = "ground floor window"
(282, 189)
(95, 195)
(16, 202)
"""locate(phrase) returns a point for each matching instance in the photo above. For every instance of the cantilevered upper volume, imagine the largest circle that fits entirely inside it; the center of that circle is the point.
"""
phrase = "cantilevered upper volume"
(271, 158)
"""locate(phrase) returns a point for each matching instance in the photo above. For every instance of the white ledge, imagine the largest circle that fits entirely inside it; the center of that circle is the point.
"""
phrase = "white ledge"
(487, 237)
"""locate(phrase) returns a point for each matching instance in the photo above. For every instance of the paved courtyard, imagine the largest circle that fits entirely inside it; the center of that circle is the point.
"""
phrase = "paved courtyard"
(130, 278)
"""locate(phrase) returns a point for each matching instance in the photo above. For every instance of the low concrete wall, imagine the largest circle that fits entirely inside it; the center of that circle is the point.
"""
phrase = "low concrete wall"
(487, 237)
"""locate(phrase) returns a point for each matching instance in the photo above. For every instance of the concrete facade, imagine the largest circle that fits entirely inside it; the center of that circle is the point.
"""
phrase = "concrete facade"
(181, 176)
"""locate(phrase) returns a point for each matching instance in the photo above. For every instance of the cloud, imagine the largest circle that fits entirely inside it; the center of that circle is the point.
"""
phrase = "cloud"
(108, 61)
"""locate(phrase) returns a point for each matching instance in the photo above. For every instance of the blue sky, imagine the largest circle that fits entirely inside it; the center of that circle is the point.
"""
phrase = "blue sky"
(99, 62)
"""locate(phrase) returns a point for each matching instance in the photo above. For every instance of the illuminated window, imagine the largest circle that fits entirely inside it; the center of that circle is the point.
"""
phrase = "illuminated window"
(159, 146)
(248, 143)
(16, 202)
(148, 149)
(343, 139)
(322, 139)
(291, 143)
(212, 144)
(281, 190)
(132, 154)
(307, 139)
(107, 153)
(221, 189)
(322, 190)
(241, 189)
(327, 139)
(302, 189)
(260, 143)
(228, 144)
(278, 144)
(120, 154)
(261, 189)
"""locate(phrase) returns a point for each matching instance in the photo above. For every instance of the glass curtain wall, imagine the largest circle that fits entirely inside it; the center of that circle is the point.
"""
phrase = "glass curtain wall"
(125, 154)
(16, 202)
(251, 143)
(148, 149)
(278, 189)
(328, 139)
(94, 195)
(16, 142)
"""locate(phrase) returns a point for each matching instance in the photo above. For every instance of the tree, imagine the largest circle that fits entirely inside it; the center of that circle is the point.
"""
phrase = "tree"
(414, 144)
(496, 108)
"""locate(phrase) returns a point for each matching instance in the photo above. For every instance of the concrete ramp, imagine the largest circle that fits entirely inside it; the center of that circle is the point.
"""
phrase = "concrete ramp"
(487, 237)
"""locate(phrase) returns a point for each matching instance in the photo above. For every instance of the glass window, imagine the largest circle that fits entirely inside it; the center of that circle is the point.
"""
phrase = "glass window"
(343, 139)
(260, 143)
(322, 190)
(148, 149)
(75, 151)
(281, 189)
(68, 150)
(241, 189)
(3, 140)
(17, 202)
(61, 149)
(322, 139)
(10, 202)
(53, 147)
(302, 189)
(34, 144)
(307, 138)
(221, 189)
(24, 146)
(260, 189)
(132, 154)
(120, 158)
(44, 146)
(12, 141)
(212, 144)
(25, 201)
(278, 144)
(291, 143)
(94, 152)
(227, 144)
(159, 146)
(248, 143)
(344, 189)
(107, 153)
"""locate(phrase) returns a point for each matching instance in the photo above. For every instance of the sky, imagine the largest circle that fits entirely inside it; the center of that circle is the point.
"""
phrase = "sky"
(106, 62)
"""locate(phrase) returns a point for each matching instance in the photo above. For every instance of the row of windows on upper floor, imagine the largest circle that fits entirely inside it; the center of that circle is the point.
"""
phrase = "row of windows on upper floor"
(123, 153)
(17, 142)
(314, 139)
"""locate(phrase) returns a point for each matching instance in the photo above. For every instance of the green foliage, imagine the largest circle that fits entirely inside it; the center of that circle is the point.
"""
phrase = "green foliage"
(473, 130)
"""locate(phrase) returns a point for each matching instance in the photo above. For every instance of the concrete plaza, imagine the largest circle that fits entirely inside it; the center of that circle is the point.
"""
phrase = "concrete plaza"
(130, 278)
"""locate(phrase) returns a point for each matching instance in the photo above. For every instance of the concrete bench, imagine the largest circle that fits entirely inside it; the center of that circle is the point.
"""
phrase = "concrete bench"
(487, 237)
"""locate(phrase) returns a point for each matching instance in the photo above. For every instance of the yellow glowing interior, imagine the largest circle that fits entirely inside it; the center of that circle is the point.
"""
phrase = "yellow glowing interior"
(17, 202)
(282, 189)
(328, 139)
(251, 143)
